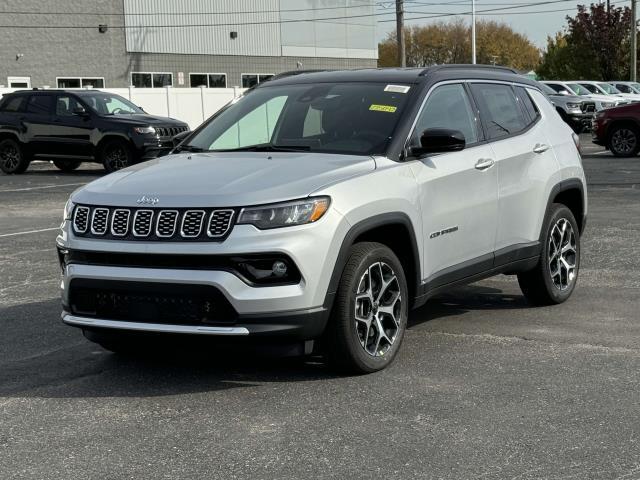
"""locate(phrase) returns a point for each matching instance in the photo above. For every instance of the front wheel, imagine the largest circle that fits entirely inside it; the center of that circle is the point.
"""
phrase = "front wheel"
(624, 141)
(552, 281)
(369, 317)
(115, 155)
(67, 165)
(12, 157)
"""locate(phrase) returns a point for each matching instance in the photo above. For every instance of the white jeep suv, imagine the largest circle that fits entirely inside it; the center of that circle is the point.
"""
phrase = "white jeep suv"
(325, 206)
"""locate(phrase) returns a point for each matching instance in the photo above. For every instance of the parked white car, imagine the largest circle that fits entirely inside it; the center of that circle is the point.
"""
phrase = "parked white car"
(573, 88)
(603, 88)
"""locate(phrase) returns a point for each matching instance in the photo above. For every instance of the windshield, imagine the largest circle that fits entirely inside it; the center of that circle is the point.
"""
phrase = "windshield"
(348, 118)
(547, 90)
(609, 89)
(578, 89)
(635, 87)
(110, 104)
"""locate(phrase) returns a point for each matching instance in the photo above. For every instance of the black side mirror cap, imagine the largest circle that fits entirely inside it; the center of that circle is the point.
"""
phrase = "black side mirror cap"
(81, 112)
(438, 140)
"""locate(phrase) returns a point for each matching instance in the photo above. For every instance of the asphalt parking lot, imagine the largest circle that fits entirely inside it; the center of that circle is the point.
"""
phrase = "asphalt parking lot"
(484, 386)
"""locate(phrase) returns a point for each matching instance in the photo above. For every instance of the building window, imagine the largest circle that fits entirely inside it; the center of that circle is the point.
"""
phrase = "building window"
(210, 80)
(251, 79)
(80, 82)
(151, 79)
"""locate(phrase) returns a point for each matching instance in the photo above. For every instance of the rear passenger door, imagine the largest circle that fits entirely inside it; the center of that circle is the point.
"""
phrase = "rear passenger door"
(37, 122)
(524, 160)
(458, 190)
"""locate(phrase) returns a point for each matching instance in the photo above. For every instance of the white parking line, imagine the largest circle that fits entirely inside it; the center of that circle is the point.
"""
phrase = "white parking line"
(29, 231)
(26, 189)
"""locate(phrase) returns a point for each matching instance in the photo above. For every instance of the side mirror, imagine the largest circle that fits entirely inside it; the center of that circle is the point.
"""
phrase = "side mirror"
(438, 140)
(177, 139)
(81, 112)
(564, 92)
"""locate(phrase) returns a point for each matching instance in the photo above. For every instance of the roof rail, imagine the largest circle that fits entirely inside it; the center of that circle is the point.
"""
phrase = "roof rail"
(466, 66)
(292, 73)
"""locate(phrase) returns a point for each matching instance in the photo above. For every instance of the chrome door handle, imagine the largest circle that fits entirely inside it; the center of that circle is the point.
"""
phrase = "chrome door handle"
(484, 163)
(540, 148)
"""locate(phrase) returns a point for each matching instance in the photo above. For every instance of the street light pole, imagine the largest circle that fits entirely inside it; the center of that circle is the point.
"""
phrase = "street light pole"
(634, 41)
(473, 31)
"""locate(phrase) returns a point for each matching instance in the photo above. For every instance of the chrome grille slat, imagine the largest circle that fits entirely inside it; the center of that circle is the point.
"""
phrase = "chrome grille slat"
(81, 219)
(142, 221)
(167, 223)
(120, 222)
(100, 221)
(219, 223)
(191, 225)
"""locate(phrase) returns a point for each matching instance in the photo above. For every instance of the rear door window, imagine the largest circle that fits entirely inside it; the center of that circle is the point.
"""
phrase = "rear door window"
(40, 104)
(500, 110)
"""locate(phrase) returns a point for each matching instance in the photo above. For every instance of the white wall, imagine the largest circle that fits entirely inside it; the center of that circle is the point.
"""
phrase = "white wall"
(191, 105)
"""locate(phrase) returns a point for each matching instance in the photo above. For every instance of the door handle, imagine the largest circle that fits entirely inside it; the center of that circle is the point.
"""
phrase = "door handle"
(540, 148)
(484, 163)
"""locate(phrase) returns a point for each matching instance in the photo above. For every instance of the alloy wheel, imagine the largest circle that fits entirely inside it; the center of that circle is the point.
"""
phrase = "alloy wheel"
(10, 157)
(116, 157)
(378, 309)
(563, 253)
(623, 141)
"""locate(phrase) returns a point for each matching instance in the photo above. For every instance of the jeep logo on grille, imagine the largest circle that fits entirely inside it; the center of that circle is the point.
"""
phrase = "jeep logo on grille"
(145, 200)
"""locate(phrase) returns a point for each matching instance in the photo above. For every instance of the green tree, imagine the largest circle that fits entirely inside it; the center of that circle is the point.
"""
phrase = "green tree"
(450, 42)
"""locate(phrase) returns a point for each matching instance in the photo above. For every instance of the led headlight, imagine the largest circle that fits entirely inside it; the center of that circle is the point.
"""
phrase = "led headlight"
(68, 210)
(286, 214)
(144, 130)
(573, 106)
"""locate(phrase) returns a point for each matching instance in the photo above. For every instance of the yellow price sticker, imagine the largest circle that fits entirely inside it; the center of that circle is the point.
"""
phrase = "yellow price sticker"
(383, 108)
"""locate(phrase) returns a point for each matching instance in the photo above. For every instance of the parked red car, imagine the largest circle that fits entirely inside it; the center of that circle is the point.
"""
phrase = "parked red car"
(618, 129)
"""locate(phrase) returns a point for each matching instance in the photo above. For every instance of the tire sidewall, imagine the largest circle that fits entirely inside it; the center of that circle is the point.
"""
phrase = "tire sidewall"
(110, 144)
(624, 154)
(23, 163)
(364, 361)
(558, 212)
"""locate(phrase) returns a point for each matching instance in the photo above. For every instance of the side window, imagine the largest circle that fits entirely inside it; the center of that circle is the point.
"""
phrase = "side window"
(527, 103)
(623, 88)
(12, 104)
(556, 87)
(499, 108)
(40, 104)
(448, 107)
(65, 106)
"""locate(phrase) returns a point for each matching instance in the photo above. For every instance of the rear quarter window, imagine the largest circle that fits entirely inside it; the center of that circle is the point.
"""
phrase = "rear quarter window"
(500, 110)
(11, 104)
(527, 105)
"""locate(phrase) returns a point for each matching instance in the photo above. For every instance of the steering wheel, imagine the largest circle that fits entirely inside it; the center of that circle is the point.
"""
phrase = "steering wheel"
(116, 111)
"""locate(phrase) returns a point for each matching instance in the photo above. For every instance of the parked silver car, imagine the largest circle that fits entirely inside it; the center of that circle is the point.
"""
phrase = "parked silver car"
(325, 206)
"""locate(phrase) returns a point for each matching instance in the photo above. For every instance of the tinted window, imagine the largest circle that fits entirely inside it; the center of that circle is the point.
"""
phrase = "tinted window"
(162, 80)
(65, 105)
(197, 80)
(217, 80)
(12, 104)
(249, 81)
(527, 104)
(591, 88)
(68, 83)
(500, 109)
(624, 88)
(448, 107)
(141, 80)
(556, 87)
(40, 104)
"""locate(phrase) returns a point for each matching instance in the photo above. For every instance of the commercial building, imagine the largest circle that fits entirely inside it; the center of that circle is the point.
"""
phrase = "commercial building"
(179, 43)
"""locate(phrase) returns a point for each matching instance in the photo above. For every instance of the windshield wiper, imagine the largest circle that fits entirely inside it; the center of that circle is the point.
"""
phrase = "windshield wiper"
(500, 126)
(268, 147)
(189, 148)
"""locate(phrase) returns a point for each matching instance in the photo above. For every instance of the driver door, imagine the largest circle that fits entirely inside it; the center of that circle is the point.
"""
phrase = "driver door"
(458, 190)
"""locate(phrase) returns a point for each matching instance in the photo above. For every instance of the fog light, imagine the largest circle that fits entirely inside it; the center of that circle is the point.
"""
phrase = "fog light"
(279, 269)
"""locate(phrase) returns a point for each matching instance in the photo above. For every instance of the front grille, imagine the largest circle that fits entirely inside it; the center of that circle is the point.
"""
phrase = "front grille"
(169, 131)
(153, 223)
(588, 107)
(175, 304)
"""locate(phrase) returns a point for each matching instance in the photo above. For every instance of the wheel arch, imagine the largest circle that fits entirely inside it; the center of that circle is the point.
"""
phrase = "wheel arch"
(570, 192)
(114, 136)
(621, 121)
(394, 230)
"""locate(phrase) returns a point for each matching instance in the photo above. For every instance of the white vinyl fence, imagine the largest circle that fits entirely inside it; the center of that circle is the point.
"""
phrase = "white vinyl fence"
(191, 105)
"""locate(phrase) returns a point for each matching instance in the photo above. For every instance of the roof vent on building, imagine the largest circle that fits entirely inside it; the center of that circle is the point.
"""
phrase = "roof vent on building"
(102, 28)
(233, 35)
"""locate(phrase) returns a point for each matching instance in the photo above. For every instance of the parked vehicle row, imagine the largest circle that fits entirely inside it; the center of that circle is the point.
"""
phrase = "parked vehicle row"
(74, 126)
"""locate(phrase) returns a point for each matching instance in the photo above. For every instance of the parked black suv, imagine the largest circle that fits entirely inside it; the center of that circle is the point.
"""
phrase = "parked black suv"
(74, 126)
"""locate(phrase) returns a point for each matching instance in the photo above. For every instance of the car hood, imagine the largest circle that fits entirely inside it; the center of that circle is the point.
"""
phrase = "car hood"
(144, 119)
(228, 179)
(568, 98)
(605, 98)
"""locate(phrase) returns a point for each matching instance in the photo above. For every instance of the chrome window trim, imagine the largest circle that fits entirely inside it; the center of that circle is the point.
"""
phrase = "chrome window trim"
(113, 216)
(133, 223)
(228, 224)
(106, 224)
(184, 216)
(175, 223)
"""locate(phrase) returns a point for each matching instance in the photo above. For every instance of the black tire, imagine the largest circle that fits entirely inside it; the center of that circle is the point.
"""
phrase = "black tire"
(114, 155)
(624, 140)
(13, 159)
(348, 348)
(67, 165)
(542, 286)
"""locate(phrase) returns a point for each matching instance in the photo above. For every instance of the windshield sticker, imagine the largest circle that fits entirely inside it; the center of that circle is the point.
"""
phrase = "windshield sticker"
(383, 108)
(396, 88)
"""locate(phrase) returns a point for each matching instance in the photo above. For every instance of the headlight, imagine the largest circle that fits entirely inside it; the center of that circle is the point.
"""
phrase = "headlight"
(286, 214)
(144, 130)
(573, 106)
(608, 104)
(68, 210)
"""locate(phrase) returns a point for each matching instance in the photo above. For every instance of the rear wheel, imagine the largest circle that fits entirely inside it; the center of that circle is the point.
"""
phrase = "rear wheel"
(552, 281)
(369, 317)
(624, 141)
(12, 157)
(67, 165)
(115, 155)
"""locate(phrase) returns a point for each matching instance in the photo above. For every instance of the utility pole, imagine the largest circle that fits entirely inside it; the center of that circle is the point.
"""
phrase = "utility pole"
(634, 41)
(473, 31)
(402, 61)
